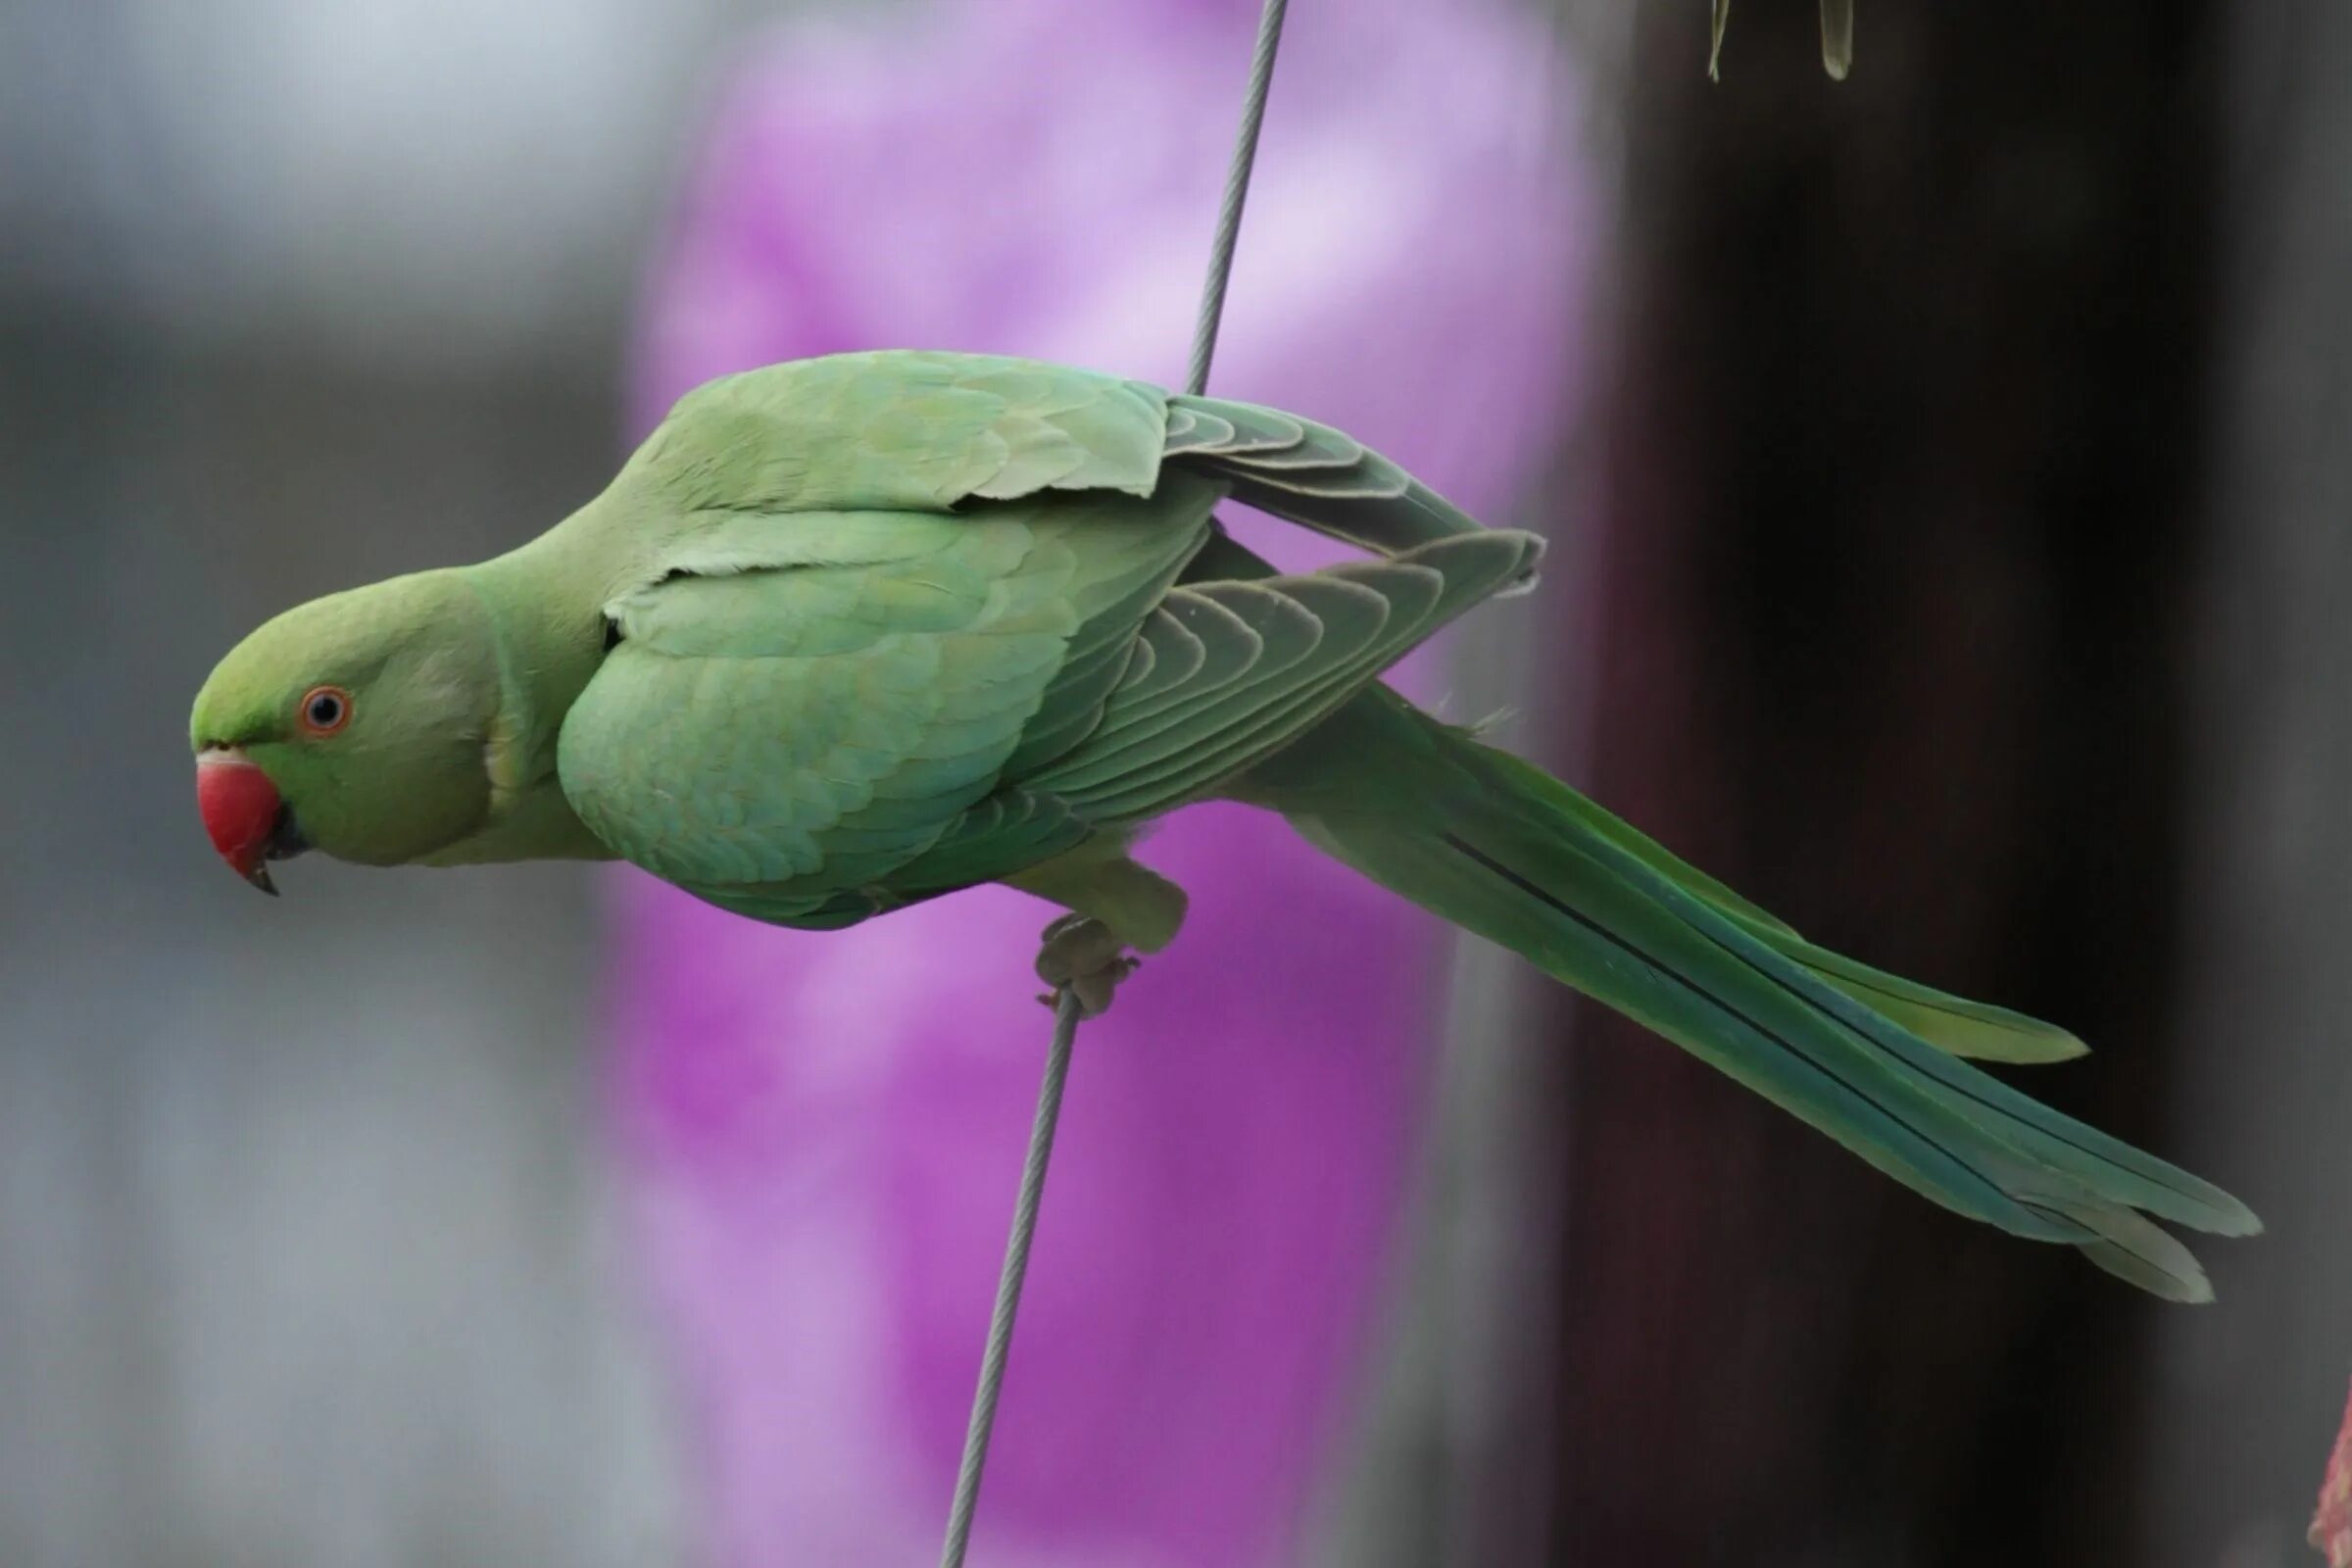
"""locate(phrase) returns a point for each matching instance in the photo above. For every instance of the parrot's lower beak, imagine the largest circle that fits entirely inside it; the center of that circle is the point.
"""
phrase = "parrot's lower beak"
(243, 815)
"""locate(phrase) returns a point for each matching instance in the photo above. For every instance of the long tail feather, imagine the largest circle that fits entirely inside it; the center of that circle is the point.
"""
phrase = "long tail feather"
(1504, 849)
(1952, 1023)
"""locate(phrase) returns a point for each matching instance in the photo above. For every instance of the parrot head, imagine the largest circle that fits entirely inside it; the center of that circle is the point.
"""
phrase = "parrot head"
(355, 724)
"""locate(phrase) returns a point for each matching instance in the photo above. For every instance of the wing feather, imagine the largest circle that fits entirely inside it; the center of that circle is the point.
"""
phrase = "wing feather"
(1278, 654)
(812, 727)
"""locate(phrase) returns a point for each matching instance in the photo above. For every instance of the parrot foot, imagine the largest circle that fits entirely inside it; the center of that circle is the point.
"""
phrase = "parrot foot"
(1084, 955)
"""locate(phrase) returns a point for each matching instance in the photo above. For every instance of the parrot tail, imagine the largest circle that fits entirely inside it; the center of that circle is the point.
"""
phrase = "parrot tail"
(1499, 847)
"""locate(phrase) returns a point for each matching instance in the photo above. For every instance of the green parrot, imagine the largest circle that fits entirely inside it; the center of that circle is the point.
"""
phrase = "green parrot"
(852, 632)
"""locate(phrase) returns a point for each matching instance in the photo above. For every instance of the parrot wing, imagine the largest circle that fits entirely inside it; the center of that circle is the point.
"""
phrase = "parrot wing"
(902, 430)
(1226, 672)
(899, 431)
(1313, 475)
(781, 733)
(887, 587)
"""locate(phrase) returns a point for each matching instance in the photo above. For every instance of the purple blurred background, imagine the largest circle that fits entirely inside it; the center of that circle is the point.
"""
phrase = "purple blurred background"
(823, 1132)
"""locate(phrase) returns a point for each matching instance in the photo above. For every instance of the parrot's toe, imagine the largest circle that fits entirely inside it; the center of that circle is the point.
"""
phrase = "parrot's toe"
(1083, 956)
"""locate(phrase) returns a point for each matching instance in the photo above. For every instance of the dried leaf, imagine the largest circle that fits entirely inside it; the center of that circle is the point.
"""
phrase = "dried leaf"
(1837, 36)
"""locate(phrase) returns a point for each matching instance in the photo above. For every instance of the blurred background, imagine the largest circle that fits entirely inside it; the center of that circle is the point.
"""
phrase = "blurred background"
(1947, 472)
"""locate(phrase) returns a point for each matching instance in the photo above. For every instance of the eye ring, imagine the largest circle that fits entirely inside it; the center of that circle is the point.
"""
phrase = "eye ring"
(323, 709)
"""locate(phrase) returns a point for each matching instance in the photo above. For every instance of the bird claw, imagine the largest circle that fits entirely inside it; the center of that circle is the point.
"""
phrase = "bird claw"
(1083, 957)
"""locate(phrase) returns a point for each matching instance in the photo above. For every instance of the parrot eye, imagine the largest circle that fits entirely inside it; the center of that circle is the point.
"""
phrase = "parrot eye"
(326, 709)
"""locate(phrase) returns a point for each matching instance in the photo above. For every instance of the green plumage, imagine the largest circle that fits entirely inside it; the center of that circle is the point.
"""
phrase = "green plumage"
(852, 632)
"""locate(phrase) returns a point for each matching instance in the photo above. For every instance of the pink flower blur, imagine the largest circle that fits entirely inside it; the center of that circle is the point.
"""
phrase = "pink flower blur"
(822, 1132)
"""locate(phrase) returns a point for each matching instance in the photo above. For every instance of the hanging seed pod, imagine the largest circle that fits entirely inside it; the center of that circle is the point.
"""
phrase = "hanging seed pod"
(1836, 38)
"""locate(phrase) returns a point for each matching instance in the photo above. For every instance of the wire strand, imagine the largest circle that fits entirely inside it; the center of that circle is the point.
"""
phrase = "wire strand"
(1237, 194)
(1010, 1280)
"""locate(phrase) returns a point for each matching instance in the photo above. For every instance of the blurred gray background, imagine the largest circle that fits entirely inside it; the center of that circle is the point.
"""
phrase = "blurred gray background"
(305, 1253)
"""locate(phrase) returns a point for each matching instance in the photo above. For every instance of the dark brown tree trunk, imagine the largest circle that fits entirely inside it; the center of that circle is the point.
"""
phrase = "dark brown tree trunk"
(2251, 1393)
(1904, 487)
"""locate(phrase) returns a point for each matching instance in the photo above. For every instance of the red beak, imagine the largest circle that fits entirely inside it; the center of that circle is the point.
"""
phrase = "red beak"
(240, 810)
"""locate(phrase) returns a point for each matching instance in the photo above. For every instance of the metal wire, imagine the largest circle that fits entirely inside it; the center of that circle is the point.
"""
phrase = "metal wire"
(1236, 192)
(1010, 1280)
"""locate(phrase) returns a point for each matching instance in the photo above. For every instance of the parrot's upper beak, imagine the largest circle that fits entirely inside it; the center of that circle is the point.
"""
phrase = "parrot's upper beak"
(243, 815)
